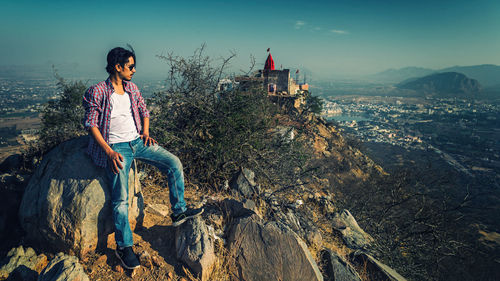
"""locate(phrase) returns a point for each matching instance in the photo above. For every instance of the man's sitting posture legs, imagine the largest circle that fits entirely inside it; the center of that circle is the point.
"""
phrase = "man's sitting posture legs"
(118, 121)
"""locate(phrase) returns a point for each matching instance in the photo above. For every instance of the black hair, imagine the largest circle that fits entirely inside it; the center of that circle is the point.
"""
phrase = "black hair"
(119, 56)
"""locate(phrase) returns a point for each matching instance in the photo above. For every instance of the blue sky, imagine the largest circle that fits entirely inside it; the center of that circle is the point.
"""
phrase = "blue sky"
(331, 39)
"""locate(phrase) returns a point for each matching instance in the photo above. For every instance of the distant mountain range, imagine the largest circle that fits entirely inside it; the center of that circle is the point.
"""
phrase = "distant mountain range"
(488, 75)
(401, 74)
(443, 84)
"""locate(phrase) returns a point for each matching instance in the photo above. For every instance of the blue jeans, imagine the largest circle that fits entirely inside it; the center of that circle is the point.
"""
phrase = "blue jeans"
(159, 157)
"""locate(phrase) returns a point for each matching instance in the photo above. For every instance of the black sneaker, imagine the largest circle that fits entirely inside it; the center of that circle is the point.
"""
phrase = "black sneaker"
(181, 218)
(127, 257)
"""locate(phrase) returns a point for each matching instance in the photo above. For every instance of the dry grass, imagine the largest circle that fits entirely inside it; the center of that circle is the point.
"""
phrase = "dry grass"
(362, 270)
(189, 275)
(225, 264)
(223, 268)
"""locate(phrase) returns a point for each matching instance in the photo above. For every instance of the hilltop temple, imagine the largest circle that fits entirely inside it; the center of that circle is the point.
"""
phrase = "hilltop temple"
(276, 82)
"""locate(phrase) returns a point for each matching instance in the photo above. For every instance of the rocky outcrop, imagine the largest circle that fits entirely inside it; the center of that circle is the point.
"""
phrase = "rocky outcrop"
(22, 264)
(352, 234)
(338, 269)
(62, 268)
(270, 251)
(195, 247)
(66, 206)
(340, 156)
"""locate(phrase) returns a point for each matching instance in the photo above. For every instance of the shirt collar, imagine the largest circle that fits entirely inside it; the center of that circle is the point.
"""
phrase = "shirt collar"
(126, 86)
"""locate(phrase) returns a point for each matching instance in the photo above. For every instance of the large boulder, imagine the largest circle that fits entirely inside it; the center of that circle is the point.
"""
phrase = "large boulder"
(62, 268)
(270, 251)
(66, 206)
(195, 247)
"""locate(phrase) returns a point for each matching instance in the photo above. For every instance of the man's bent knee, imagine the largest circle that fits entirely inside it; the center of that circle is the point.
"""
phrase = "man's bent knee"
(120, 207)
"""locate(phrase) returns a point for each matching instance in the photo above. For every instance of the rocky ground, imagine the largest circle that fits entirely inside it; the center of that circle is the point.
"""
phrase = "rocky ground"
(298, 232)
(155, 241)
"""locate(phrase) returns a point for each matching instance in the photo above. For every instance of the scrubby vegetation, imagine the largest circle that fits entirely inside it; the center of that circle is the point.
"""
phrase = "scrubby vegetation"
(217, 131)
(62, 119)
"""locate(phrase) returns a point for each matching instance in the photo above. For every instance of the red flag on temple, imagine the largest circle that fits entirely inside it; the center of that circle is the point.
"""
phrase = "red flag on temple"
(269, 63)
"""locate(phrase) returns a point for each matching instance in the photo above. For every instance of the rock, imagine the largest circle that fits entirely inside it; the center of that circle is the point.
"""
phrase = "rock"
(62, 268)
(337, 268)
(195, 247)
(326, 206)
(41, 263)
(158, 209)
(234, 208)
(295, 205)
(314, 238)
(118, 268)
(270, 251)
(101, 260)
(244, 183)
(22, 273)
(291, 220)
(66, 206)
(11, 163)
(286, 134)
(376, 269)
(352, 234)
(22, 264)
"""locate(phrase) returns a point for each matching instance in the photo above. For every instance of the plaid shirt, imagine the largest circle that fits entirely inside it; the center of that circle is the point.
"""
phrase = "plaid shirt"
(97, 104)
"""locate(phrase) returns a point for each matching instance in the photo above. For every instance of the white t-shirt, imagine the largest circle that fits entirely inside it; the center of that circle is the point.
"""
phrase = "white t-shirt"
(122, 127)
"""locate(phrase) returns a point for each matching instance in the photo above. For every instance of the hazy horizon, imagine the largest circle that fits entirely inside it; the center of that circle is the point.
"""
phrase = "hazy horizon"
(341, 39)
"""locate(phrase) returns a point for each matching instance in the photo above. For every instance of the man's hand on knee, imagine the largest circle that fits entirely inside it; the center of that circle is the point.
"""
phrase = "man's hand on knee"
(148, 140)
(114, 160)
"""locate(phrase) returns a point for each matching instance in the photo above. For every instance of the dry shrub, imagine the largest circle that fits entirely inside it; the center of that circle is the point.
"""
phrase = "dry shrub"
(216, 131)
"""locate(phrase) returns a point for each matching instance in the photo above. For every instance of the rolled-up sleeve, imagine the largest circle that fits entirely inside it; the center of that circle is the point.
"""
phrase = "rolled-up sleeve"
(91, 102)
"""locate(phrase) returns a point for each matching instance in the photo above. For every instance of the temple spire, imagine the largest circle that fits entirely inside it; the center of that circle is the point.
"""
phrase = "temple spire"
(269, 63)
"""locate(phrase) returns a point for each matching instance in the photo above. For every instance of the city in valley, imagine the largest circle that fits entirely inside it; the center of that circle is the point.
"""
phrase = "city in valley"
(463, 133)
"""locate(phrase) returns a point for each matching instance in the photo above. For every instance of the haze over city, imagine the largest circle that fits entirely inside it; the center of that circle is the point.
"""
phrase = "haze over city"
(329, 39)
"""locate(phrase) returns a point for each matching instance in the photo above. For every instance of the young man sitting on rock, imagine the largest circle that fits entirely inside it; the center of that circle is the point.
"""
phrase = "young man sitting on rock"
(118, 121)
